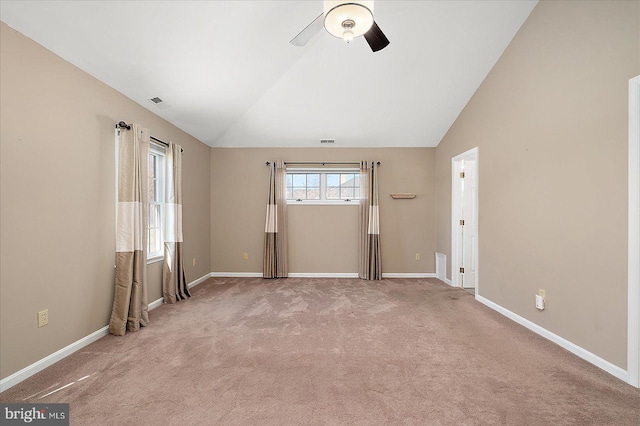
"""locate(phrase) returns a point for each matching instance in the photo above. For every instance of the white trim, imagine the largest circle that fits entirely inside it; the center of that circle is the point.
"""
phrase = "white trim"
(472, 154)
(116, 159)
(155, 259)
(448, 281)
(49, 360)
(564, 343)
(354, 202)
(236, 275)
(322, 171)
(441, 272)
(199, 280)
(159, 152)
(155, 304)
(633, 303)
(192, 284)
(323, 274)
(45, 362)
(455, 220)
(408, 275)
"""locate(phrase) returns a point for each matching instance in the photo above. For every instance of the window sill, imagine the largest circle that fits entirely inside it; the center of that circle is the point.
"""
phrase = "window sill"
(323, 203)
(155, 259)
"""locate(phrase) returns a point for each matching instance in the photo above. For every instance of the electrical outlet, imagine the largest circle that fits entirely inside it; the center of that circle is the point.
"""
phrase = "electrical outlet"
(417, 256)
(43, 318)
(195, 261)
(245, 256)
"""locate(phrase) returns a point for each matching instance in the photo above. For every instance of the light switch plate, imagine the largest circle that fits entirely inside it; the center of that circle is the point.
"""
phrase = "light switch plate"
(539, 302)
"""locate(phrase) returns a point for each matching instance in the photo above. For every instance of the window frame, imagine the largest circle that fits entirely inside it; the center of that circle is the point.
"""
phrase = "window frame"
(323, 172)
(160, 153)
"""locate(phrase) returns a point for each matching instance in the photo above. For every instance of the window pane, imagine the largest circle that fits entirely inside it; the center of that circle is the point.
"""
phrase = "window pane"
(332, 186)
(155, 240)
(347, 193)
(299, 193)
(356, 194)
(159, 193)
(313, 193)
(154, 216)
(313, 179)
(333, 179)
(152, 190)
(155, 206)
(152, 166)
(347, 179)
(333, 193)
(299, 180)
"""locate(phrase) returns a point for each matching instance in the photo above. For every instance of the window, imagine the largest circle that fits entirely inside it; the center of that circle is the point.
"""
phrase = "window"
(155, 246)
(343, 186)
(303, 186)
(327, 186)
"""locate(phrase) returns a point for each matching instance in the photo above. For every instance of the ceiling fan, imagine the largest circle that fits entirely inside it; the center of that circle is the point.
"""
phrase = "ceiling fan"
(346, 20)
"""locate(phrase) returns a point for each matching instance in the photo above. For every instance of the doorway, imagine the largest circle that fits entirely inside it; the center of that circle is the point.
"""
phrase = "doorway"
(464, 220)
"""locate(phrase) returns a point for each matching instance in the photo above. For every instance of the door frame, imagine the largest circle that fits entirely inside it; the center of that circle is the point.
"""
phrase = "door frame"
(472, 154)
(633, 330)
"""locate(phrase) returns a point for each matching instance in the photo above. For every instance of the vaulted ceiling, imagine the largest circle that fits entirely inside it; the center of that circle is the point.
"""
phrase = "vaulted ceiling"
(229, 77)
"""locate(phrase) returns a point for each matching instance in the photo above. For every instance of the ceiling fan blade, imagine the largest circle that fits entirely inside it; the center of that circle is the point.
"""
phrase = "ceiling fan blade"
(307, 34)
(376, 38)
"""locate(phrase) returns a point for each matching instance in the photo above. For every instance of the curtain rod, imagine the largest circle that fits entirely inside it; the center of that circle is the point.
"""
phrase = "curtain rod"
(320, 163)
(123, 125)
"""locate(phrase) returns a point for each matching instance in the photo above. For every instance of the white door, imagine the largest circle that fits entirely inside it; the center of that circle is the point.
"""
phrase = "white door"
(464, 220)
(469, 224)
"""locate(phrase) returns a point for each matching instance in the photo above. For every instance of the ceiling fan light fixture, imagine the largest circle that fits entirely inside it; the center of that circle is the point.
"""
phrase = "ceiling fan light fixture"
(348, 19)
(347, 34)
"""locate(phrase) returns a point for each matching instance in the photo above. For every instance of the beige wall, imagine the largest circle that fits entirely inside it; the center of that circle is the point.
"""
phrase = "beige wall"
(322, 238)
(550, 122)
(57, 206)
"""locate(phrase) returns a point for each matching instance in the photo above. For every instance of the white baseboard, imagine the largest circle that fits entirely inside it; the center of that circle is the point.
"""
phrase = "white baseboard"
(610, 368)
(49, 360)
(200, 280)
(323, 274)
(192, 284)
(408, 275)
(447, 281)
(236, 275)
(291, 274)
(156, 303)
(45, 362)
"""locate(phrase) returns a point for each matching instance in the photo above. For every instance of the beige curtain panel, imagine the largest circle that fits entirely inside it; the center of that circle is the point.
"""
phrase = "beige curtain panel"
(275, 232)
(174, 282)
(130, 308)
(369, 253)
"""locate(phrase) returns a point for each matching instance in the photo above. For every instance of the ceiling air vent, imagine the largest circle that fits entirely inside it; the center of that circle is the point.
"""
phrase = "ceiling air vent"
(327, 141)
(159, 102)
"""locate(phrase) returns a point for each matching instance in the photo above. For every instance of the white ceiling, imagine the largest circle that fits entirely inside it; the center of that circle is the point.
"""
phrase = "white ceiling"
(231, 78)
